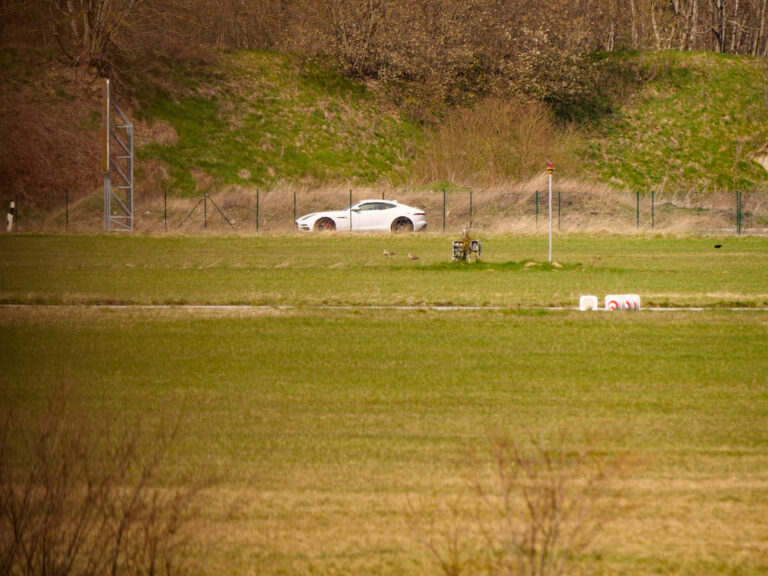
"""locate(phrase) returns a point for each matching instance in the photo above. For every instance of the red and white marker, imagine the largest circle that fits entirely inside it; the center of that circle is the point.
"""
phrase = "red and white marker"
(622, 302)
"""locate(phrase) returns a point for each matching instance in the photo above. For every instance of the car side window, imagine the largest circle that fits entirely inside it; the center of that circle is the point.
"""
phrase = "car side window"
(374, 206)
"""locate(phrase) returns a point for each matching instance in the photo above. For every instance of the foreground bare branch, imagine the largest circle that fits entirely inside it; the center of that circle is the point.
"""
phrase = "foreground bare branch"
(535, 510)
(78, 500)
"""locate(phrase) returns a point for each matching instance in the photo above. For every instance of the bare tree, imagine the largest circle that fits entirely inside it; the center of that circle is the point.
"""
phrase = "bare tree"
(354, 30)
(718, 24)
(635, 33)
(690, 19)
(85, 30)
(363, 35)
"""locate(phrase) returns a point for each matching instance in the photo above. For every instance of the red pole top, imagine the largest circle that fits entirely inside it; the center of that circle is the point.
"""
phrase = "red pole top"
(550, 168)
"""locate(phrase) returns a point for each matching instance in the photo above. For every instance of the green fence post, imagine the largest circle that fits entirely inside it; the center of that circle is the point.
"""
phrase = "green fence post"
(165, 210)
(638, 209)
(443, 209)
(66, 210)
(294, 207)
(537, 208)
(205, 211)
(653, 209)
(558, 210)
(470, 206)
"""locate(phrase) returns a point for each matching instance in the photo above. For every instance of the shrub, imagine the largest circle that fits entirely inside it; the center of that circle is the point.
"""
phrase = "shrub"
(74, 500)
(526, 509)
(496, 141)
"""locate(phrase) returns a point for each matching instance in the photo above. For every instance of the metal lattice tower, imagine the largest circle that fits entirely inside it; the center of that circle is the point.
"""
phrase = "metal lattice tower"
(117, 166)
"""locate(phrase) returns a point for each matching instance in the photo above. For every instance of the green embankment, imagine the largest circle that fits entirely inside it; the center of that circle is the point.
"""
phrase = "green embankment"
(254, 118)
(668, 121)
(692, 121)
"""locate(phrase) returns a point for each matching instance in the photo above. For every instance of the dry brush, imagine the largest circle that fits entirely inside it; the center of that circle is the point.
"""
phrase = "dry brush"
(76, 499)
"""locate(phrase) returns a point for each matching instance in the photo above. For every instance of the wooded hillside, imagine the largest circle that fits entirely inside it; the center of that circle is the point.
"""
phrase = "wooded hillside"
(444, 50)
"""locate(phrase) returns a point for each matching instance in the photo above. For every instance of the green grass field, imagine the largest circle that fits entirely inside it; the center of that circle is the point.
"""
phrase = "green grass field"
(333, 432)
(352, 270)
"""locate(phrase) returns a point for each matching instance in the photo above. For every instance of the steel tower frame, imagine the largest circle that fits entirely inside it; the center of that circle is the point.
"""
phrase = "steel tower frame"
(117, 166)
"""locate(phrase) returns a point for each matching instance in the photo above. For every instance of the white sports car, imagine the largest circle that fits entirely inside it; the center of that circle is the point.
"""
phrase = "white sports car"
(367, 215)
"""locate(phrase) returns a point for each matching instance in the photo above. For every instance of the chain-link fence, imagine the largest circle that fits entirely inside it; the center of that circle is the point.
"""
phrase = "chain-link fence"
(496, 210)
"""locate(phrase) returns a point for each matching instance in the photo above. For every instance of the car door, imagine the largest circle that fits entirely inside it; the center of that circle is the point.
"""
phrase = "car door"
(365, 216)
(372, 216)
(384, 215)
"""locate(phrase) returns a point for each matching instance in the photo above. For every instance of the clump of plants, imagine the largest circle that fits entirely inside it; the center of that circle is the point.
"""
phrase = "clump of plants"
(79, 500)
(526, 508)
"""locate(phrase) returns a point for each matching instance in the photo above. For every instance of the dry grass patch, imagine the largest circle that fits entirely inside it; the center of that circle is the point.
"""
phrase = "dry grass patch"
(510, 207)
(496, 141)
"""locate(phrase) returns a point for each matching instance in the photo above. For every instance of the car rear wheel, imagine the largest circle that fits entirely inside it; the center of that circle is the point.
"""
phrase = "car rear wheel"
(325, 224)
(402, 224)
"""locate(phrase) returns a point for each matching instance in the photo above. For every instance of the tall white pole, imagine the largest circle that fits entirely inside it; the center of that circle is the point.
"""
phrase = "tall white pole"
(549, 169)
(105, 127)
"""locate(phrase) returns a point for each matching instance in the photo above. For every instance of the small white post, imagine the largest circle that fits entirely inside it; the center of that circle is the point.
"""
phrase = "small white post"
(550, 170)
(588, 303)
(11, 210)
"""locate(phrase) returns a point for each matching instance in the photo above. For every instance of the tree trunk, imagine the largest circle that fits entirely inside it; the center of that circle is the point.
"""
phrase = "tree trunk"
(656, 34)
(718, 24)
(761, 31)
(691, 18)
(73, 21)
(634, 23)
(611, 45)
(85, 29)
(736, 34)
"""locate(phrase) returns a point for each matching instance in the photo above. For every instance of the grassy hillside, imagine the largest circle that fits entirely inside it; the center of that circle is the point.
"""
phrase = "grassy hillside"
(675, 122)
(682, 121)
(671, 122)
(257, 118)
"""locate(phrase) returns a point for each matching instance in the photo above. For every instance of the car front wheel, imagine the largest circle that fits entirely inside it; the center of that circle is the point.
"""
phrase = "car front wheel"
(325, 224)
(402, 224)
